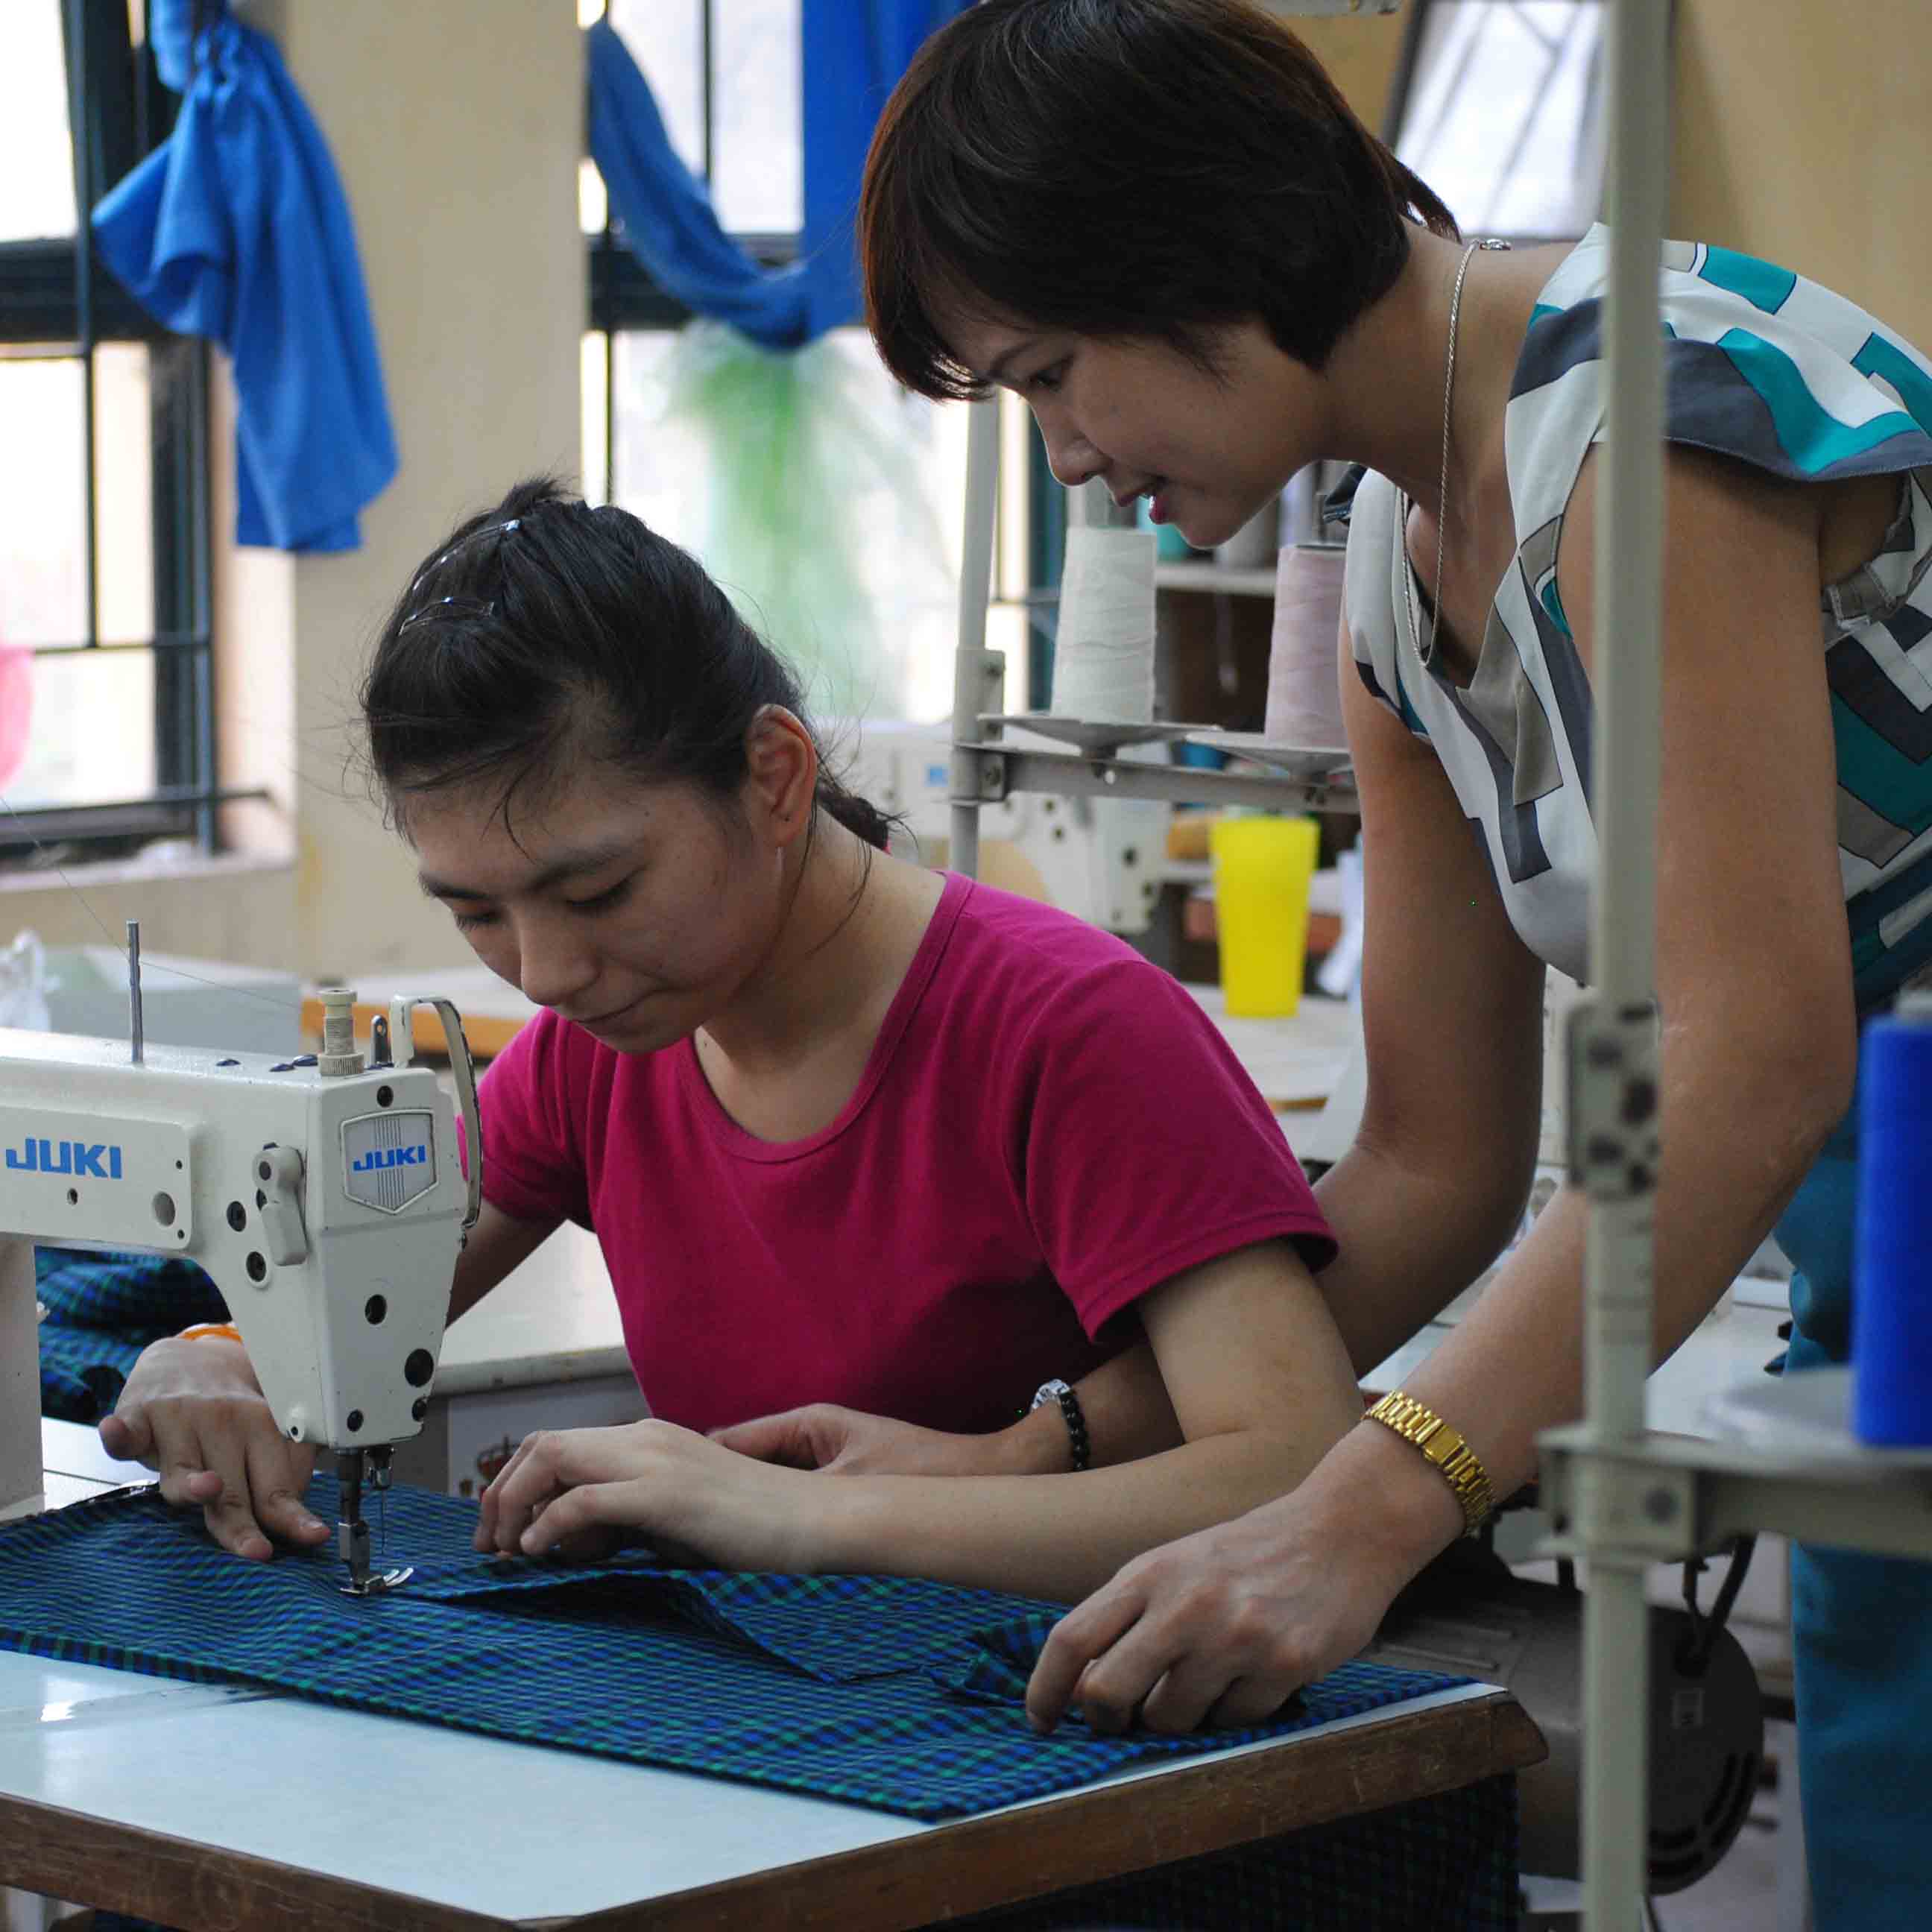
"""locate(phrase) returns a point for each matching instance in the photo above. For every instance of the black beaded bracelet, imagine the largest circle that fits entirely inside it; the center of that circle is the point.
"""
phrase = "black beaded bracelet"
(1075, 1419)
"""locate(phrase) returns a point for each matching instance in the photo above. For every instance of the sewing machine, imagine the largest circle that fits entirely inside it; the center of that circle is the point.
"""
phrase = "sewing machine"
(325, 1196)
(1102, 860)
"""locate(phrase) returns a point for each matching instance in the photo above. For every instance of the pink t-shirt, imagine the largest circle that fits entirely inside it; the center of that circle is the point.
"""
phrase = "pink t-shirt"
(1047, 1127)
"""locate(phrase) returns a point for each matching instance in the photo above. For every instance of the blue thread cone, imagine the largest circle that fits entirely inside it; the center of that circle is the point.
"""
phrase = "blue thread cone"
(1892, 1289)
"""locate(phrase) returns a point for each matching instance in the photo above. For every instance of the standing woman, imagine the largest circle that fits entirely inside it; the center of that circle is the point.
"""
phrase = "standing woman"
(1159, 222)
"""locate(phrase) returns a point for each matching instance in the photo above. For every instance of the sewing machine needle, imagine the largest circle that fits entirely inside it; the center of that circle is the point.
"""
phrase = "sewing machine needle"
(352, 1531)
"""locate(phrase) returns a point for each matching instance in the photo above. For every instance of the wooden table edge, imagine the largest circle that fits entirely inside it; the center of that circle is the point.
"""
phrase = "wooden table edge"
(978, 1864)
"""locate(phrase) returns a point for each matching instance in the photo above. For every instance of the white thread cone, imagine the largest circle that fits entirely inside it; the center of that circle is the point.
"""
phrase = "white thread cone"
(1103, 654)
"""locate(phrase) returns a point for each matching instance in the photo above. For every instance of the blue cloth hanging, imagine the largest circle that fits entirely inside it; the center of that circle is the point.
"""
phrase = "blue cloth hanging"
(853, 56)
(236, 228)
(853, 53)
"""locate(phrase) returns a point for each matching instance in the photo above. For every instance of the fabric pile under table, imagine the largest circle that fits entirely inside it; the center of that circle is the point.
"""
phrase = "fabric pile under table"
(887, 1692)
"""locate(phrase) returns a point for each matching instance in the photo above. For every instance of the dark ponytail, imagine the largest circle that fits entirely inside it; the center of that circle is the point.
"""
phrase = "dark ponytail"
(544, 635)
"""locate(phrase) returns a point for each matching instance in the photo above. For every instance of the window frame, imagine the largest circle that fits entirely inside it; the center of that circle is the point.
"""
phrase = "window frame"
(623, 296)
(59, 302)
(1402, 87)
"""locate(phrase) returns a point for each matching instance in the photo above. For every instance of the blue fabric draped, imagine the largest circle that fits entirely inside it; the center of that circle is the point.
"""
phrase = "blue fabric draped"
(236, 228)
(853, 53)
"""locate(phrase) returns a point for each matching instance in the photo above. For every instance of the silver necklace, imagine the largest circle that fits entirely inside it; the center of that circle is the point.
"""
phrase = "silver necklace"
(1427, 658)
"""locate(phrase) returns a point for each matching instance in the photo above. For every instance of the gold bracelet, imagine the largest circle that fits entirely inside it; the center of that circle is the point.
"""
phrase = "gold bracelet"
(1461, 1468)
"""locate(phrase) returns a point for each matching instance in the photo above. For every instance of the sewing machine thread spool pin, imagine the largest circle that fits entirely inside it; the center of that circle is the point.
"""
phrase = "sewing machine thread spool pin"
(339, 1057)
(137, 1024)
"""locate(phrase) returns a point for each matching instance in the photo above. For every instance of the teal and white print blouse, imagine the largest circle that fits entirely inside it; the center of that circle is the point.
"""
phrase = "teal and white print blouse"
(1761, 365)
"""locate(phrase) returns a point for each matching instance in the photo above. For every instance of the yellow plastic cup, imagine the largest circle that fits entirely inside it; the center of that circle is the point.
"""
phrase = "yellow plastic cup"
(1262, 867)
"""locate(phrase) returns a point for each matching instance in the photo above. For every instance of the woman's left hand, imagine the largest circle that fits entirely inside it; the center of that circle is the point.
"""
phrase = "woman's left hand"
(579, 1493)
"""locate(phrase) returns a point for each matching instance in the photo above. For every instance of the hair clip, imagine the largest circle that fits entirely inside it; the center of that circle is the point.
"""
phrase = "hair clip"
(436, 563)
(471, 606)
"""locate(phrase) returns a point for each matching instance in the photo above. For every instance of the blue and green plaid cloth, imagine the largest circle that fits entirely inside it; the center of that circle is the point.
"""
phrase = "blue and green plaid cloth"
(882, 1691)
(104, 1307)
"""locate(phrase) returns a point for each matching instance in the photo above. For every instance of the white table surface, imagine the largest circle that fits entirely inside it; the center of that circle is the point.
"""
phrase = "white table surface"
(473, 1822)
(553, 1319)
(478, 1823)
(1296, 1062)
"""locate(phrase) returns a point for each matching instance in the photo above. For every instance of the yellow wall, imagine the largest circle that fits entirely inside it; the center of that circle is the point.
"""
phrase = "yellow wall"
(1801, 137)
(1360, 56)
(458, 130)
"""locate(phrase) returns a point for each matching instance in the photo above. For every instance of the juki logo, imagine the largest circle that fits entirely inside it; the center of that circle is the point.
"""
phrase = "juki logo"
(401, 1156)
(74, 1157)
(388, 1159)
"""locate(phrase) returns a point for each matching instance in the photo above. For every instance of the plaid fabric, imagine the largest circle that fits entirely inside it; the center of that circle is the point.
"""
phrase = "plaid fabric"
(103, 1308)
(878, 1691)
(1447, 1862)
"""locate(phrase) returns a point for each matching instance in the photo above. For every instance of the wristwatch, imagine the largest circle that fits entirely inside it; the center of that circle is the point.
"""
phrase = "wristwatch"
(1057, 1390)
(1458, 1464)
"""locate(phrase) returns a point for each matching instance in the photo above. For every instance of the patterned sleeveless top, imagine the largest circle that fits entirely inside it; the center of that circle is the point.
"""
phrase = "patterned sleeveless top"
(1766, 367)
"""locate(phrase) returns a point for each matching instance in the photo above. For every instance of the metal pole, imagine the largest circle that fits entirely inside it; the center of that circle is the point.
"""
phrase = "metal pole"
(200, 595)
(1620, 1248)
(82, 110)
(976, 580)
(707, 64)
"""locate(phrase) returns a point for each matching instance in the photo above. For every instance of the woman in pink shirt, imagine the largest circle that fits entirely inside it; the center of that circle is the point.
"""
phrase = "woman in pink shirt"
(872, 1152)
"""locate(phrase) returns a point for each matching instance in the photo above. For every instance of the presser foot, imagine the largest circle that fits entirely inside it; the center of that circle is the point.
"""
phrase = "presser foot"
(352, 1531)
(376, 1582)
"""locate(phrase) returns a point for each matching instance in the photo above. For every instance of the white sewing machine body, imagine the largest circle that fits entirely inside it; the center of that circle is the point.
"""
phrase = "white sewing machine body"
(329, 1207)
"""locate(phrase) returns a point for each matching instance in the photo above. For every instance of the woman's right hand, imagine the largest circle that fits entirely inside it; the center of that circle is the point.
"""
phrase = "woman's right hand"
(1222, 1627)
(194, 1411)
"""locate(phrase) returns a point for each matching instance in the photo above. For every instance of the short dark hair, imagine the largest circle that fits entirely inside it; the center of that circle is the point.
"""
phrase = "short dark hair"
(1126, 168)
(544, 635)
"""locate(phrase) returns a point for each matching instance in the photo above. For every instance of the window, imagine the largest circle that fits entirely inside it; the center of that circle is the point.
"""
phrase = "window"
(104, 518)
(726, 74)
(1498, 108)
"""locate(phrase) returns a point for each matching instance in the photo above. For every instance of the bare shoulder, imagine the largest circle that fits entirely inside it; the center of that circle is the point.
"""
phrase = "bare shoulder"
(1725, 522)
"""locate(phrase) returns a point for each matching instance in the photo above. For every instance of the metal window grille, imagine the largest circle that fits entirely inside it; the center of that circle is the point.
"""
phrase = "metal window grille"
(58, 303)
(1497, 104)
